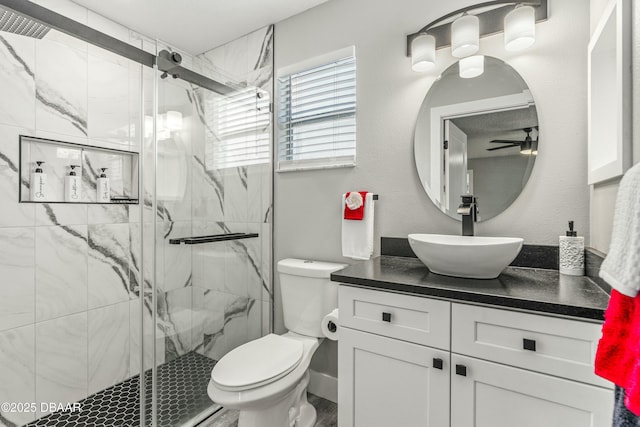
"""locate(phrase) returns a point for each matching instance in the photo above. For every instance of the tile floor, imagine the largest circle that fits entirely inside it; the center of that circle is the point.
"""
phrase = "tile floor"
(182, 394)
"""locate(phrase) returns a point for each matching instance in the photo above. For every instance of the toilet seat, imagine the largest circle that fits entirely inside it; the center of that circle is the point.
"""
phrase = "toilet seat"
(257, 363)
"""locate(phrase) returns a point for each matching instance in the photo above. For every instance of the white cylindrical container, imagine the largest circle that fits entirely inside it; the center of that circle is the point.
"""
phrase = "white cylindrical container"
(330, 325)
(72, 191)
(38, 184)
(103, 191)
(572, 253)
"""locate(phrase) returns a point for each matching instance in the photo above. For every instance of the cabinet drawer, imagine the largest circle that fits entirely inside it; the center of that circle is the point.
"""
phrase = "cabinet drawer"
(561, 347)
(414, 319)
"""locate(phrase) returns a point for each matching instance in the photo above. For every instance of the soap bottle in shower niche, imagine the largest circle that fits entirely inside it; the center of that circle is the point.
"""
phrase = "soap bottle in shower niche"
(572, 253)
(102, 187)
(38, 184)
(72, 190)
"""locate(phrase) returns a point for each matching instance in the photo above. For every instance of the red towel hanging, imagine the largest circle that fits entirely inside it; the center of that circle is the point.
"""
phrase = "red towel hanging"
(355, 214)
(618, 354)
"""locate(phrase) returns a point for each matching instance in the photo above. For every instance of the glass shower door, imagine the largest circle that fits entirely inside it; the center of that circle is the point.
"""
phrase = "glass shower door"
(212, 228)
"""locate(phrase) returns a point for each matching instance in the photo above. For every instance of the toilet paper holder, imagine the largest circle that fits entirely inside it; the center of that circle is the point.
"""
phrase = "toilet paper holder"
(332, 326)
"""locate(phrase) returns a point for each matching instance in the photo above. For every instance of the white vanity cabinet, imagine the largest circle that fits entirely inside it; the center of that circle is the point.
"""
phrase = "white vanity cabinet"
(412, 361)
(393, 360)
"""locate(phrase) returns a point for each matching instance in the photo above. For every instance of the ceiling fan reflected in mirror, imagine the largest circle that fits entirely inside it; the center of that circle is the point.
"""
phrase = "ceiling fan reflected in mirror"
(527, 146)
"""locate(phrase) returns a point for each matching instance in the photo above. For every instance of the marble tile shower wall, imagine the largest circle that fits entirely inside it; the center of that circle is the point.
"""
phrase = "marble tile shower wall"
(69, 298)
(231, 282)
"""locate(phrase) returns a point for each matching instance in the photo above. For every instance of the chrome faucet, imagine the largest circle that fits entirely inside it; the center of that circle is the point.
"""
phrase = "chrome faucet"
(469, 211)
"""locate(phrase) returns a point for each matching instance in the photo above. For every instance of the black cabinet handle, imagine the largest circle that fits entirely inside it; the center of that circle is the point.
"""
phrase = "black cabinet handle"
(437, 363)
(528, 344)
(386, 317)
(461, 370)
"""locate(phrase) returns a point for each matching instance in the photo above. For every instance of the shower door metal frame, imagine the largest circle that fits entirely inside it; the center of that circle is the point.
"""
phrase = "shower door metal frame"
(163, 61)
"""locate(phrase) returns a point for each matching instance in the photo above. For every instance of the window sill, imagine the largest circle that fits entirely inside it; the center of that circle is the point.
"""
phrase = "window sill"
(301, 167)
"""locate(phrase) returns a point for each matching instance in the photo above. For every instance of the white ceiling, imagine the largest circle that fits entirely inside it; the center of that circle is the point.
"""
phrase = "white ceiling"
(196, 26)
(483, 128)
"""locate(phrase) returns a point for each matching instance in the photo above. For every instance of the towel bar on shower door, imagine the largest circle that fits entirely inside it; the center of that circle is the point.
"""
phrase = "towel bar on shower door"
(212, 238)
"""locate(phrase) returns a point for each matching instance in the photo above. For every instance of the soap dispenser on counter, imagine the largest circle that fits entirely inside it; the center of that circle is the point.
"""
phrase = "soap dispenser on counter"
(72, 190)
(102, 187)
(572, 253)
(38, 184)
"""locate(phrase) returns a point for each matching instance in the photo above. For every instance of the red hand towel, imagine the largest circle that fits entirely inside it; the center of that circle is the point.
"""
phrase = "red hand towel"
(632, 386)
(614, 348)
(355, 214)
(618, 354)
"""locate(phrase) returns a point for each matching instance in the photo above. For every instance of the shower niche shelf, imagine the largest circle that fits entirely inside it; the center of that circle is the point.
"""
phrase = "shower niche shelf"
(57, 157)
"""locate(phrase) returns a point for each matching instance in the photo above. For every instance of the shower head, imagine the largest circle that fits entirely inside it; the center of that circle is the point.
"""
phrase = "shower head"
(18, 24)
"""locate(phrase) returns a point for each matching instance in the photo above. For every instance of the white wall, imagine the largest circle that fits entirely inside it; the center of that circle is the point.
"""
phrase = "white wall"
(307, 220)
(498, 180)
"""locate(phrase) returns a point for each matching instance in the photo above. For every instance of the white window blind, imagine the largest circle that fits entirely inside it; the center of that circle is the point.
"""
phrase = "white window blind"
(240, 128)
(317, 116)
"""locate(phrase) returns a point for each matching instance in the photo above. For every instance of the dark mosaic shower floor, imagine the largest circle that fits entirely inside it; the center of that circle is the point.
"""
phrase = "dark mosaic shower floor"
(182, 394)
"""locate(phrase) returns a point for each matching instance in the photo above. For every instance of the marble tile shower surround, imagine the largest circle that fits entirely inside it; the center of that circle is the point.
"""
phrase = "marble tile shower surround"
(67, 302)
(70, 304)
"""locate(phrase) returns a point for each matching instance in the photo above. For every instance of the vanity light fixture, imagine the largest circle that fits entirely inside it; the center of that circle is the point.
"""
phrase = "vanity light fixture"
(463, 28)
(424, 53)
(465, 36)
(471, 66)
(520, 28)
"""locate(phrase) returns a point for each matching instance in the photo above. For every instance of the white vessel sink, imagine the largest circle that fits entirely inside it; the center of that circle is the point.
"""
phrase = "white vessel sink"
(465, 256)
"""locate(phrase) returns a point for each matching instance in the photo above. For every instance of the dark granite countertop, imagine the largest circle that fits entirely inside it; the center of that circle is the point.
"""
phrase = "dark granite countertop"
(538, 290)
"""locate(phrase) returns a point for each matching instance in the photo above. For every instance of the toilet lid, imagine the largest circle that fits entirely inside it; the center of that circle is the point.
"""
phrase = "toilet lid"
(257, 362)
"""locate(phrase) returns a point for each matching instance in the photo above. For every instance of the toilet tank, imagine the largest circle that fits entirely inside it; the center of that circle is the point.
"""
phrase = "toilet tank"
(308, 294)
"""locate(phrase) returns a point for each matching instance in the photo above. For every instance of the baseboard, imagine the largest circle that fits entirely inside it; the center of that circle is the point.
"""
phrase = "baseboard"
(323, 385)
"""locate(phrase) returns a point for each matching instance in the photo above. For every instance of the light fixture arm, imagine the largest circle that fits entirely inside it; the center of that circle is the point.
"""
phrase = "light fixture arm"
(491, 21)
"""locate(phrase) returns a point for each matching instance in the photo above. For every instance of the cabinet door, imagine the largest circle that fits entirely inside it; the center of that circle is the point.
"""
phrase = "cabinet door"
(492, 395)
(387, 382)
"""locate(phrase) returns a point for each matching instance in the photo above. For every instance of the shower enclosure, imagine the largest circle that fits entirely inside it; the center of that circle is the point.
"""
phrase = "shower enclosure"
(116, 312)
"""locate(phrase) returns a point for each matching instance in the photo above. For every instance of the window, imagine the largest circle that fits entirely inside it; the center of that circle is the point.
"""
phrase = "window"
(241, 129)
(317, 113)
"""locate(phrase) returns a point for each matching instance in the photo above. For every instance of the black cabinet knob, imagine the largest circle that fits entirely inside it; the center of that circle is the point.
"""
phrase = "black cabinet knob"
(528, 344)
(461, 370)
(437, 363)
(386, 317)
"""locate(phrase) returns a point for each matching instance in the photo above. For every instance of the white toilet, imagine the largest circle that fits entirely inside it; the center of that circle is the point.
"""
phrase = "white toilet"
(266, 379)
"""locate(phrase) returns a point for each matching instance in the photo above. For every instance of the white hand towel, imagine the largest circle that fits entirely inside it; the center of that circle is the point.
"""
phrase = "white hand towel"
(357, 236)
(621, 267)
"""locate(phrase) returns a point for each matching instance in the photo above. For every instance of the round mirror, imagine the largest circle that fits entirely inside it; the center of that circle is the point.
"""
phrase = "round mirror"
(476, 136)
